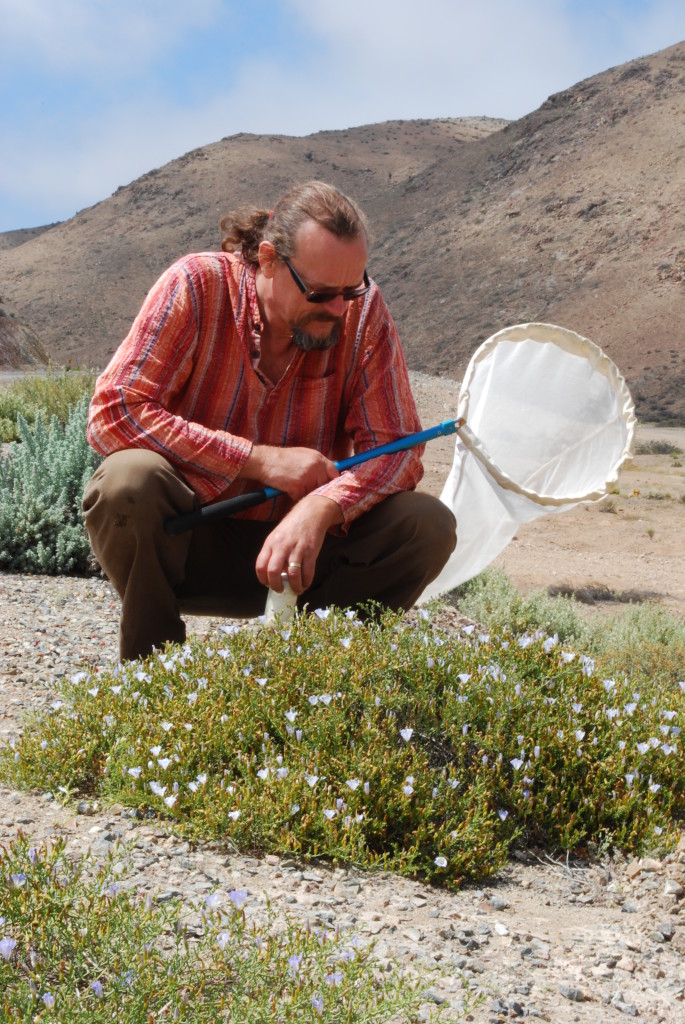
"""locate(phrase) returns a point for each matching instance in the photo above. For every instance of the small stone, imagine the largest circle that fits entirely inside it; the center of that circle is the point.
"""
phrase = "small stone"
(627, 964)
(673, 888)
(649, 865)
(576, 995)
(666, 930)
(500, 928)
(83, 807)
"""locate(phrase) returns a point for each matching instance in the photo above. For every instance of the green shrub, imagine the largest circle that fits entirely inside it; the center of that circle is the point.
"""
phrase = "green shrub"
(41, 483)
(79, 948)
(380, 744)
(51, 394)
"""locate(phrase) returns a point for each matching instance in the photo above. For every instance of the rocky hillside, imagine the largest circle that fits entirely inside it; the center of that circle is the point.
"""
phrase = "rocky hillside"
(574, 214)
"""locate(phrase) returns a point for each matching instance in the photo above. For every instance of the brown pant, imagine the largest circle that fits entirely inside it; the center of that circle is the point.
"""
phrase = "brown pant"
(389, 554)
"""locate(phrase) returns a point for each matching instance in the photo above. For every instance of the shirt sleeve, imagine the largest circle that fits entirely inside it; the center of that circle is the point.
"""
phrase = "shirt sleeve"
(380, 409)
(135, 396)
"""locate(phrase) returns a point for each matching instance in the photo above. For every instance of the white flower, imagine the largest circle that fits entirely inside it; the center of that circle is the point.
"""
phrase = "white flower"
(164, 762)
(516, 763)
(234, 815)
(157, 789)
(346, 641)
(167, 726)
(291, 715)
(440, 862)
(170, 800)
(311, 780)
(353, 784)
(503, 814)
(330, 813)
(263, 773)
(406, 734)
(407, 790)
(135, 772)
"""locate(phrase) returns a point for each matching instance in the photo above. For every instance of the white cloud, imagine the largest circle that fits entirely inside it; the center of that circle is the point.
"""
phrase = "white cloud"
(77, 36)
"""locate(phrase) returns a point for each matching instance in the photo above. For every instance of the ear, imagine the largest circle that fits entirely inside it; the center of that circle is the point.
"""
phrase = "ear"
(267, 258)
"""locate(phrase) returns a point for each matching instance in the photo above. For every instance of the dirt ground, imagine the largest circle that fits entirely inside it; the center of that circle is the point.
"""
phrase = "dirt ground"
(629, 547)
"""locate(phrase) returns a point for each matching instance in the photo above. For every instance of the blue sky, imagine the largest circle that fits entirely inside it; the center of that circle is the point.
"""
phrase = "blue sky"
(94, 93)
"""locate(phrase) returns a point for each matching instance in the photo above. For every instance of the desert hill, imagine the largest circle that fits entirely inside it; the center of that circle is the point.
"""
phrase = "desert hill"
(573, 214)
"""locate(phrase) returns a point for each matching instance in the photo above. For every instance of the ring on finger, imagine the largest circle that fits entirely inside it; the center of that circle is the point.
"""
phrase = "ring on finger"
(294, 565)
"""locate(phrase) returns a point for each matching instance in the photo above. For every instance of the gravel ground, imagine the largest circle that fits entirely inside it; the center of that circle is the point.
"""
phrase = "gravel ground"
(562, 942)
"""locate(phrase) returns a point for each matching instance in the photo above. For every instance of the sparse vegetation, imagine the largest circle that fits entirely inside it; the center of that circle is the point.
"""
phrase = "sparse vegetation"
(79, 948)
(50, 394)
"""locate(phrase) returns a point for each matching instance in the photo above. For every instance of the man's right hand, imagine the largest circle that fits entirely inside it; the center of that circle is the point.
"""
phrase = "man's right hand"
(296, 471)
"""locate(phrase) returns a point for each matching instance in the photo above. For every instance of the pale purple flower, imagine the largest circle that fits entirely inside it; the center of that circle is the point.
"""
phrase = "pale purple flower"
(317, 1003)
(170, 800)
(6, 947)
(503, 814)
(667, 749)
(630, 708)
(311, 780)
(325, 698)
(48, 999)
(167, 726)
(234, 815)
(164, 762)
(16, 881)
(407, 790)
(155, 751)
(334, 978)
(567, 656)
(135, 772)
(330, 813)
(294, 809)
(213, 901)
(643, 748)
(95, 691)
(516, 763)
(294, 962)
(291, 715)
(322, 613)
(406, 734)
(97, 989)
(353, 784)
(580, 734)
(157, 788)
(238, 897)
(440, 862)
(223, 939)
(655, 787)
(263, 773)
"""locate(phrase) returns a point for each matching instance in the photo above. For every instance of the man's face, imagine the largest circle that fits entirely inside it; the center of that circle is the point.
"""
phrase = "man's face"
(323, 263)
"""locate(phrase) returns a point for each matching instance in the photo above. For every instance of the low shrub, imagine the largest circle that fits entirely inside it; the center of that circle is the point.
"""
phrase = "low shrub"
(379, 744)
(42, 477)
(79, 948)
(50, 394)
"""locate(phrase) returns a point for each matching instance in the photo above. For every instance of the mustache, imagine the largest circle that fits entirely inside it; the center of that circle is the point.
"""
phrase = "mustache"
(321, 318)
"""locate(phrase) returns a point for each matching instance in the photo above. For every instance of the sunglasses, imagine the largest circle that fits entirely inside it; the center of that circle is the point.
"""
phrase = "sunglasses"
(348, 294)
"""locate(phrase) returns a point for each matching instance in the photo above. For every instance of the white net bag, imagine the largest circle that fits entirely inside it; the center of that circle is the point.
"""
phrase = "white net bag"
(549, 424)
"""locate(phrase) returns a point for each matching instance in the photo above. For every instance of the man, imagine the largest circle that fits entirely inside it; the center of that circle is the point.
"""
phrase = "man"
(260, 366)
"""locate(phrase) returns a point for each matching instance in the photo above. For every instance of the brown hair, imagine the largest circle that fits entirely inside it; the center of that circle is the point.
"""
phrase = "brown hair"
(246, 227)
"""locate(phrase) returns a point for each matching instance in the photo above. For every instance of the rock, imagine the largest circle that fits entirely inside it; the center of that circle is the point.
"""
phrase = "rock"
(576, 995)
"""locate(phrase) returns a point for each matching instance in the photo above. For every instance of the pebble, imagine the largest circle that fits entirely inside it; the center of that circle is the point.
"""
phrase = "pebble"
(527, 942)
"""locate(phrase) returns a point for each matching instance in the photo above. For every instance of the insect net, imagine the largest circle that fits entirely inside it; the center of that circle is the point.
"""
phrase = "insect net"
(549, 424)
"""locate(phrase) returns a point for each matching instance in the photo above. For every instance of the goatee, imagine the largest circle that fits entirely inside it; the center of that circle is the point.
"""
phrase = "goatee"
(310, 343)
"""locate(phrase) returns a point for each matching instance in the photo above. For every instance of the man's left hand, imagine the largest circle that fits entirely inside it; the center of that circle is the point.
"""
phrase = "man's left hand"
(293, 546)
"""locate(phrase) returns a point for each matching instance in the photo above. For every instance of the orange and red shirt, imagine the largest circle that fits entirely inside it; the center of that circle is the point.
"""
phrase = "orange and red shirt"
(186, 383)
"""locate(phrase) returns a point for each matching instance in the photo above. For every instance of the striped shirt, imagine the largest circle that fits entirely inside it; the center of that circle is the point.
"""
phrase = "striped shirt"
(186, 383)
